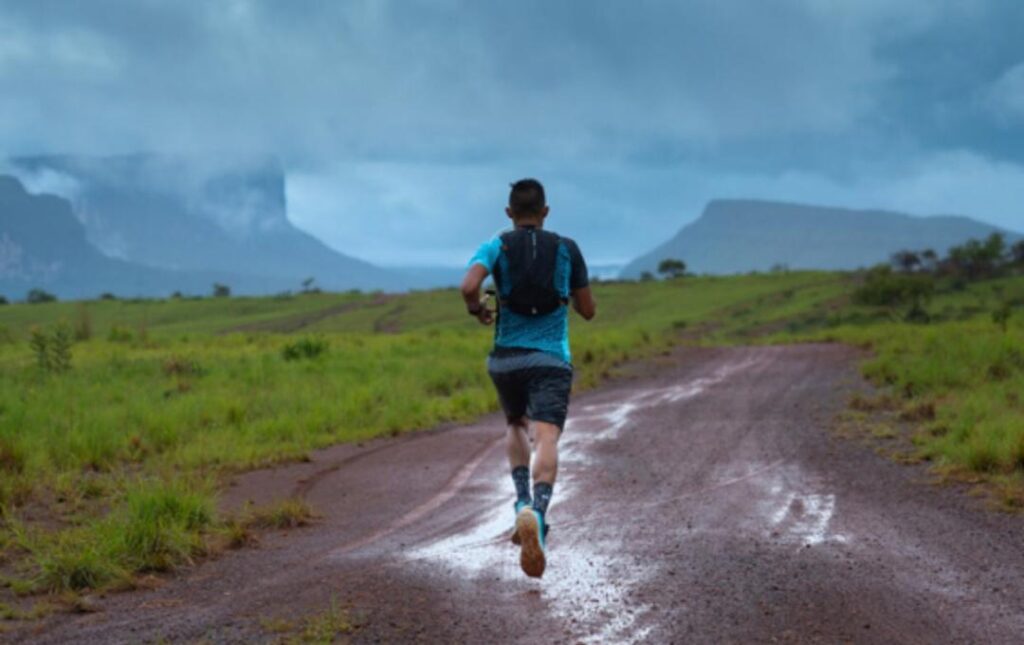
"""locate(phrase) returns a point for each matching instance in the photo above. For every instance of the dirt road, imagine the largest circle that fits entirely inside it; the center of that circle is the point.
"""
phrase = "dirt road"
(707, 503)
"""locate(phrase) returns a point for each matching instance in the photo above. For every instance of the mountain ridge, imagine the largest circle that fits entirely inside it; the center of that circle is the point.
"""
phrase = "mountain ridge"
(742, 235)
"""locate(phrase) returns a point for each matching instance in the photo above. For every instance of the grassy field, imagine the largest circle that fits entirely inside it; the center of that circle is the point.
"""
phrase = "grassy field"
(111, 467)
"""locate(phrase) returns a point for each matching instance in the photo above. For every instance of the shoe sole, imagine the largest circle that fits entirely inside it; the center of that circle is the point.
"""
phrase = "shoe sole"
(531, 555)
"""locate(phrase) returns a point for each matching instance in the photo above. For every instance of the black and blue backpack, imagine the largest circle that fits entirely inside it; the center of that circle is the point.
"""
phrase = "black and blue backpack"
(526, 276)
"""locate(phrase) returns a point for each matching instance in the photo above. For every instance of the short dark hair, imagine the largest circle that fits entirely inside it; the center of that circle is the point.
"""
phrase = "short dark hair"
(527, 197)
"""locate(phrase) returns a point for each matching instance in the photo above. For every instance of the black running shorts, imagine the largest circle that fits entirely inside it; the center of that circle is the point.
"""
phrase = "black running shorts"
(531, 384)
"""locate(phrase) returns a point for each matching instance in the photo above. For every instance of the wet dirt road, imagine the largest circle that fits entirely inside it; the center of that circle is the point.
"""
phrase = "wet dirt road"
(706, 503)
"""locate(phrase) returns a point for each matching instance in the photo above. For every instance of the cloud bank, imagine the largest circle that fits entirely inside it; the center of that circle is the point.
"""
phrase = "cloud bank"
(401, 122)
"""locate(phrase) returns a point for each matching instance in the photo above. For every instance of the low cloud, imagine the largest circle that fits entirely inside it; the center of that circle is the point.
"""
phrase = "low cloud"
(1006, 96)
(401, 214)
(401, 122)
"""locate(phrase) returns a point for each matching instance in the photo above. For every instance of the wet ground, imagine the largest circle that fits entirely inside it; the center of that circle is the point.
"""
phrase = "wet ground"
(708, 502)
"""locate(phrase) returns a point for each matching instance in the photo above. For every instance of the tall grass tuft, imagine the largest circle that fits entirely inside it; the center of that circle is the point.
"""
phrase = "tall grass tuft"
(304, 348)
(161, 526)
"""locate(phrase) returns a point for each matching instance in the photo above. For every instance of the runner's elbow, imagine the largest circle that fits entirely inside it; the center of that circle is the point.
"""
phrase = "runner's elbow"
(588, 312)
(470, 288)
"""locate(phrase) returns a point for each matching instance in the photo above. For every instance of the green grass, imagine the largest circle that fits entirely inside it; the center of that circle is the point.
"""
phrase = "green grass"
(112, 467)
(287, 514)
(970, 373)
(958, 380)
(323, 627)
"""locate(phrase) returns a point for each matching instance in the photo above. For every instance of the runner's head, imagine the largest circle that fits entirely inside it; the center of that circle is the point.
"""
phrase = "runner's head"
(526, 202)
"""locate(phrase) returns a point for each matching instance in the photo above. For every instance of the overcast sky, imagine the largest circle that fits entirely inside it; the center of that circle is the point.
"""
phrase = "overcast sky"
(401, 122)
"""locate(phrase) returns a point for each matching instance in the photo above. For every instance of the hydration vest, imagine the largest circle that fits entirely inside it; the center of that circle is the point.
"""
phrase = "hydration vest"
(529, 288)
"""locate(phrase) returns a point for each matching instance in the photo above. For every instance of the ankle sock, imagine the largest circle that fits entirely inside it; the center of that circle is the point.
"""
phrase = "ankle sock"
(521, 478)
(542, 497)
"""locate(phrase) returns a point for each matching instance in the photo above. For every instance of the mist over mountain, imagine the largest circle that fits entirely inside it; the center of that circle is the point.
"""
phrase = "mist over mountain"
(189, 215)
(737, 236)
(43, 245)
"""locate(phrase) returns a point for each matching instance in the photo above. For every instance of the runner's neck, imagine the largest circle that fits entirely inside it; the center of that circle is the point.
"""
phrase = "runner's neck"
(528, 225)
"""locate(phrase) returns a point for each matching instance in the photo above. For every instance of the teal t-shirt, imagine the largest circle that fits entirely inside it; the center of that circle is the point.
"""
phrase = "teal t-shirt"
(548, 333)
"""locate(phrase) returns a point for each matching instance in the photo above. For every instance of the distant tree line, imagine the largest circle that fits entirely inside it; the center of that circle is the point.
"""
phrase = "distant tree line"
(910, 277)
(218, 290)
(972, 260)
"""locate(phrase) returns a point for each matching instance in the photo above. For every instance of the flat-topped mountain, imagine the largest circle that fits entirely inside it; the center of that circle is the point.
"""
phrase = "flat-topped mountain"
(43, 245)
(196, 215)
(737, 236)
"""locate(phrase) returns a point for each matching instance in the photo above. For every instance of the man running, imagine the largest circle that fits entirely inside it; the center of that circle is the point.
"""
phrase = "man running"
(537, 274)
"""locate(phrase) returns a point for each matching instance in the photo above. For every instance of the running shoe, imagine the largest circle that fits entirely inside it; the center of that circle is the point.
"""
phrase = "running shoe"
(530, 529)
(519, 505)
(515, 533)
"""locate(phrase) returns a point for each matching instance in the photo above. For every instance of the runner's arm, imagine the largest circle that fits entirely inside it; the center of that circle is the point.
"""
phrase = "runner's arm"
(579, 283)
(583, 302)
(471, 293)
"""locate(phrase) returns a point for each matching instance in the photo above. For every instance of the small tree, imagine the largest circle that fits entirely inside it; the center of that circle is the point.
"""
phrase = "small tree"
(37, 296)
(906, 261)
(221, 290)
(60, 348)
(976, 259)
(39, 343)
(106, 295)
(995, 249)
(646, 276)
(308, 285)
(1017, 253)
(3, 300)
(929, 259)
(672, 268)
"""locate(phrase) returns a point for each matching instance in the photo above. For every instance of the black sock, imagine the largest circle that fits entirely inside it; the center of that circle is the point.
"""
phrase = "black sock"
(542, 496)
(521, 478)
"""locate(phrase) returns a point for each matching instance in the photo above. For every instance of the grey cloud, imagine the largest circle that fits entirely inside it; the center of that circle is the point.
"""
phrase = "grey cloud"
(1006, 95)
(401, 121)
(386, 78)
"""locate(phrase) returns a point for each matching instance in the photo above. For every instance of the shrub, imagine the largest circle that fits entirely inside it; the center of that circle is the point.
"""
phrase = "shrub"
(1002, 315)
(3, 300)
(1017, 254)
(52, 350)
(60, 348)
(883, 288)
(83, 324)
(182, 366)
(106, 295)
(39, 343)
(119, 334)
(38, 296)
(308, 347)
(75, 566)
(976, 259)
(221, 290)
